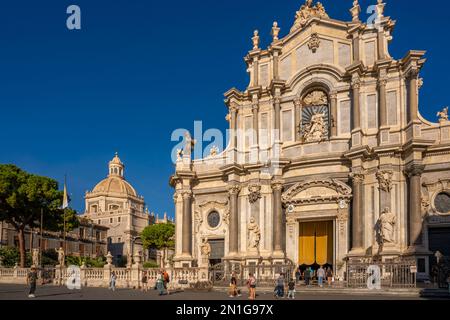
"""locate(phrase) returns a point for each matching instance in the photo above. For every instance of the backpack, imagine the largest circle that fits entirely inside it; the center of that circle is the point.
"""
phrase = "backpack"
(166, 277)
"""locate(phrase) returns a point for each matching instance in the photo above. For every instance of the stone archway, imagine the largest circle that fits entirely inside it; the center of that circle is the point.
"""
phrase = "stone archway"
(317, 201)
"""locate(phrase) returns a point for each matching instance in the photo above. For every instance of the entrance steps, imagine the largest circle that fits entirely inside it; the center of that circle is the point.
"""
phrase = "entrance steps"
(339, 290)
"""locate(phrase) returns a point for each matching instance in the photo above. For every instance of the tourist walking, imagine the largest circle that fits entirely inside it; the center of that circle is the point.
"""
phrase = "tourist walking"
(279, 289)
(291, 289)
(298, 274)
(251, 284)
(31, 281)
(160, 283)
(307, 276)
(320, 276)
(329, 276)
(166, 279)
(232, 292)
(112, 281)
(144, 281)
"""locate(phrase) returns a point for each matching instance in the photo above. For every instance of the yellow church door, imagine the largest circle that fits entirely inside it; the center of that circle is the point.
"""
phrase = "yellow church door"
(316, 243)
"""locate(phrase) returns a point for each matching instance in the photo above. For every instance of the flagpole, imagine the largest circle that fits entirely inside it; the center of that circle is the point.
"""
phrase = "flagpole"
(64, 234)
(42, 238)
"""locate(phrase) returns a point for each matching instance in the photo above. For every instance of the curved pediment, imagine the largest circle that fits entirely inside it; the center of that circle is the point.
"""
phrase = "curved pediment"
(316, 190)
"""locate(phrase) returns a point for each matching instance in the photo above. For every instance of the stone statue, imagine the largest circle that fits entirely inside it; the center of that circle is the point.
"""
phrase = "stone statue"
(443, 115)
(35, 257)
(316, 98)
(179, 154)
(255, 40)
(439, 257)
(254, 234)
(307, 11)
(61, 257)
(387, 226)
(214, 151)
(189, 144)
(316, 129)
(275, 31)
(205, 249)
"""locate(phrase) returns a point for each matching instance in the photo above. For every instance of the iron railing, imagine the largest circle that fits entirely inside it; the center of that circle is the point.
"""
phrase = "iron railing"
(393, 274)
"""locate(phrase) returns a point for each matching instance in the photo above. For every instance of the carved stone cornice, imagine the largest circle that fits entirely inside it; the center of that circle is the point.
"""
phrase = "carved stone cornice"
(385, 180)
(254, 192)
(343, 191)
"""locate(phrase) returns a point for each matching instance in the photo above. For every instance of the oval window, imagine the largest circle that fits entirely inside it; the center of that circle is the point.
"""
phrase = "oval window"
(442, 202)
(214, 219)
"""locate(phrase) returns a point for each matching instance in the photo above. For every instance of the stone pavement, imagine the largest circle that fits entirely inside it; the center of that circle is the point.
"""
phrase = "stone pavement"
(49, 292)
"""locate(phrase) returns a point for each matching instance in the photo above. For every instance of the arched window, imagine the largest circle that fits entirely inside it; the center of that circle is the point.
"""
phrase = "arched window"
(315, 122)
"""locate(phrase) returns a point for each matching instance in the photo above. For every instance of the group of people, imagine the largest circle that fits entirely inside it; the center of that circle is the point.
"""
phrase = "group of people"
(321, 274)
(162, 282)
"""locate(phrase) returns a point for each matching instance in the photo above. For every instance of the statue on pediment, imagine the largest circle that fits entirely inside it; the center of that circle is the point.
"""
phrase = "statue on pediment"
(308, 10)
(443, 114)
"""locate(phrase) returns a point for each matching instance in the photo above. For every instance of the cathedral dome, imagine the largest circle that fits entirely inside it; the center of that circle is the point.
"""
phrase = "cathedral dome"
(115, 182)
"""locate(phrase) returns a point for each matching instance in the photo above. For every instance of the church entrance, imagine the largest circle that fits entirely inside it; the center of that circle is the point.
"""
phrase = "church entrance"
(217, 251)
(316, 245)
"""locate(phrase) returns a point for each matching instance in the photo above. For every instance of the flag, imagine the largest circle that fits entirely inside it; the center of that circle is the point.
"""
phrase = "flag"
(66, 199)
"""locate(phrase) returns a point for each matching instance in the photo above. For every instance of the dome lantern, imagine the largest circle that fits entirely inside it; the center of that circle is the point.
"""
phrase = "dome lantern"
(116, 167)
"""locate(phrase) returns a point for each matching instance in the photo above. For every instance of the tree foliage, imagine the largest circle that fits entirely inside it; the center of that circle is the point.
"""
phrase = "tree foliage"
(23, 196)
(159, 236)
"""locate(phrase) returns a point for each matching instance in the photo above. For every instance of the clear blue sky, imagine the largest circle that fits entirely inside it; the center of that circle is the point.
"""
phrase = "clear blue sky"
(139, 69)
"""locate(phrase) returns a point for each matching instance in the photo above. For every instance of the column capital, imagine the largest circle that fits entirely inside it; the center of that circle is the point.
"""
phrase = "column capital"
(234, 189)
(356, 83)
(333, 95)
(277, 185)
(187, 194)
(414, 170)
(233, 107)
(357, 177)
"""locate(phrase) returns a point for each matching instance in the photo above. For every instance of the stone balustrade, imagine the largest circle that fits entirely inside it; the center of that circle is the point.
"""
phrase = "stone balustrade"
(180, 278)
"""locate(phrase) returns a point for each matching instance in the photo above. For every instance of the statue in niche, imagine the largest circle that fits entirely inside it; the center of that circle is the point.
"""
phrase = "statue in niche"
(205, 249)
(386, 226)
(316, 129)
(254, 234)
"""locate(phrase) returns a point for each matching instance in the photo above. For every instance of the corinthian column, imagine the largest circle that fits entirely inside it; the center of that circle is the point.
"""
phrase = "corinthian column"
(413, 95)
(277, 187)
(233, 125)
(277, 109)
(333, 107)
(356, 85)
(414, 173)
(187, 223)
(357, 213)
(233, 191)
(382, 98)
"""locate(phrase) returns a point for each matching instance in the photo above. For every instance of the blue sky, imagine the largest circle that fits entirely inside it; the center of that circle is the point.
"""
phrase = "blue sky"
(138, 69)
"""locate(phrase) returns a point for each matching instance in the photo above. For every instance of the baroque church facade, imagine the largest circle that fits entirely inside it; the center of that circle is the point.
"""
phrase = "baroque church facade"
(115, 204)
(329, 156)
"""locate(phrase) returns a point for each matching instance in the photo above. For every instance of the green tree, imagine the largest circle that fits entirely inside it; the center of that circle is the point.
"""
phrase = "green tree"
(159, 236)
(22, 198)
